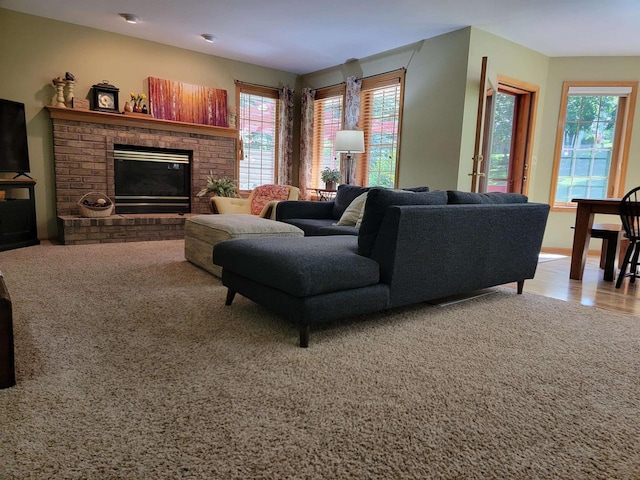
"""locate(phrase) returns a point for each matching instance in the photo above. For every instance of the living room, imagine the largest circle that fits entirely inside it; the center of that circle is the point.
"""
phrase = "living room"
(438, 124)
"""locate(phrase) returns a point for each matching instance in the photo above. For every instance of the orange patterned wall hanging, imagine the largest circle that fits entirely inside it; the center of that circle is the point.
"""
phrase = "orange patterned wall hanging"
(182, 102)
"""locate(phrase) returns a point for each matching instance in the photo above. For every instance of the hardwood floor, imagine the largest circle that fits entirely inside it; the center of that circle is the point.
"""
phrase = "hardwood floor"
(552, 280)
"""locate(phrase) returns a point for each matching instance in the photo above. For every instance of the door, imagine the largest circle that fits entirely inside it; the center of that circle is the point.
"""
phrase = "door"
(484, 124)
(507, 156)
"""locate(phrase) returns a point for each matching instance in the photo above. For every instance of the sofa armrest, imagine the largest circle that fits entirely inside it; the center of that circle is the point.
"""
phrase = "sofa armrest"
(303, 209)
(269, 210)
(433, 251)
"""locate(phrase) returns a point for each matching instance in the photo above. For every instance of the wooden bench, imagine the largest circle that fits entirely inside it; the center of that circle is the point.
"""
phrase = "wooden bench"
(612, 236)
(7, 368)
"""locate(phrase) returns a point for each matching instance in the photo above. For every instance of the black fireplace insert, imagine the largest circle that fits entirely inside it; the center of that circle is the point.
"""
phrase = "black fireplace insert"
(152, 180)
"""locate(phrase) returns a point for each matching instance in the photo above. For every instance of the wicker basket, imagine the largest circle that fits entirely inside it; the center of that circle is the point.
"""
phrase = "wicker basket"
(95, 212)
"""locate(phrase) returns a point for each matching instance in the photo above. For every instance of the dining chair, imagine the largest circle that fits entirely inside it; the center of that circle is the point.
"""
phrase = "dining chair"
(630, 217)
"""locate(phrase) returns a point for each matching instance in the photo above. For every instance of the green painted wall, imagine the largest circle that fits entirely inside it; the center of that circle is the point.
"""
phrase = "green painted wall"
(559, 233)
(433, 104)
(434, 112)
(510, 60)
(34, 50)
(440, 106)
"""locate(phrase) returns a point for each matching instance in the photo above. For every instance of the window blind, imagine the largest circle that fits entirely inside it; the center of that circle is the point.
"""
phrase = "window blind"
(380, 119)
(327, 120)
(258, 128)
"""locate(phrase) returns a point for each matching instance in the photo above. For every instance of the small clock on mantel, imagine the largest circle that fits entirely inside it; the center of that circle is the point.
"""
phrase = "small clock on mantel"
(104, 97)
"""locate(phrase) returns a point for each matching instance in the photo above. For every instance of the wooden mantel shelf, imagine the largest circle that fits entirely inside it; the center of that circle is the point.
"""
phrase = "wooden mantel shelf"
(91, 116)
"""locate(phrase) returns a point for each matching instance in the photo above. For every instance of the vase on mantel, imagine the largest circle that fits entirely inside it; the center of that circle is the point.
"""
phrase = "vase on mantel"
(137, 108)
(128, 107)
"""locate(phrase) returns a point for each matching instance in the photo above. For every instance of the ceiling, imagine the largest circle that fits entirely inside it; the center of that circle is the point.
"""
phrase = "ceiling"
(304, 36)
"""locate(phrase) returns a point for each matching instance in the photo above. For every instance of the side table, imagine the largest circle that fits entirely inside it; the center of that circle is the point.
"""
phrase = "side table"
(325, 195)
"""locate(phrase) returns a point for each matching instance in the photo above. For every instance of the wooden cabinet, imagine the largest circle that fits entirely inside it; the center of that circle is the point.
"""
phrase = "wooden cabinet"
(18, 226)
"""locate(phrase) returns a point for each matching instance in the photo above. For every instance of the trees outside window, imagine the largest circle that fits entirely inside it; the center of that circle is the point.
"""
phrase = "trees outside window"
(592, 142)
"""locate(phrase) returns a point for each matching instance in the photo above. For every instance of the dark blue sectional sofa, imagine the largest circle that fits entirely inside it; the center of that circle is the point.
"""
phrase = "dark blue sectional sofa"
(320, 218)
(411, 247)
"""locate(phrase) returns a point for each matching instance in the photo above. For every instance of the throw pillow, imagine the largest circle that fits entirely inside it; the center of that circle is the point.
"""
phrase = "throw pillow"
(457, 197)
(354, 211)
(346, 194)
(378, 200)
(266, 193)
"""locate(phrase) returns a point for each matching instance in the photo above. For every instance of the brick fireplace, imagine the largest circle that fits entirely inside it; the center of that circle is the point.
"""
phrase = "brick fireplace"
(83, 148)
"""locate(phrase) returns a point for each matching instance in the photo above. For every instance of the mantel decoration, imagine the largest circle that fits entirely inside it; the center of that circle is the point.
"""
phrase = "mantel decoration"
(220, 187)
(330, 177)
(181, 102)
(104, 97)
(60, 99)
(136, 104)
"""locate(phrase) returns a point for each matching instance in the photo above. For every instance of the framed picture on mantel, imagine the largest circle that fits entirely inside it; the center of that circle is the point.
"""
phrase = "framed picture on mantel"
(182, 102)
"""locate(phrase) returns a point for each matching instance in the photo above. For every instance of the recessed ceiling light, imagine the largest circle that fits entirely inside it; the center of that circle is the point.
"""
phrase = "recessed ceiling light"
(208, 37)
(130, 17)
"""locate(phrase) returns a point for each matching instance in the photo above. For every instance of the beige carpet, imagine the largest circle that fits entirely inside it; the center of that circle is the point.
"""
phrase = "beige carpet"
(130, 366)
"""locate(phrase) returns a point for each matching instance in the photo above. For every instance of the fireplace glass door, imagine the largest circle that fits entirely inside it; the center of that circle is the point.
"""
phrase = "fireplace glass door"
(151, 180)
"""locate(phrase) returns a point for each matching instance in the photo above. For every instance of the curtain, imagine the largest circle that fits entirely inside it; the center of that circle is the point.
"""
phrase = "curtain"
(306, 141)
(351, 117)
(285, 137)
(352, 103)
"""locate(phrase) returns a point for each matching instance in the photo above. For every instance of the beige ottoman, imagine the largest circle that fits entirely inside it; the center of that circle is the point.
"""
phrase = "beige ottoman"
(203, 232)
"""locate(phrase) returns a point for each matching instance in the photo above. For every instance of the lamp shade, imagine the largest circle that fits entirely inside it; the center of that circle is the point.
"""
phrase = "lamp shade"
(349, 141)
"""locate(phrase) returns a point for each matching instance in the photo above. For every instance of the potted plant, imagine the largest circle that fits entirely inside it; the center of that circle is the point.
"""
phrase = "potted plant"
(220, 187)
(330, 177)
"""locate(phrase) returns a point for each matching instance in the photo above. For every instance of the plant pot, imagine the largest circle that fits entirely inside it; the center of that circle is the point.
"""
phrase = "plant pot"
(330, 185)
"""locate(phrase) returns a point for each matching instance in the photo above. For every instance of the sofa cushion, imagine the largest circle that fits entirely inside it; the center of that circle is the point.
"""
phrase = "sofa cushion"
(203, 232)
(345, 195)
(378, 200)
(304, 267)
(337, 230)
(458, 197)
(354, 211)
(311, 226)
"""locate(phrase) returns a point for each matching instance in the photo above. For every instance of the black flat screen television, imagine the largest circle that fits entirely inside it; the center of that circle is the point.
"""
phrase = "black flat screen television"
(14, 153)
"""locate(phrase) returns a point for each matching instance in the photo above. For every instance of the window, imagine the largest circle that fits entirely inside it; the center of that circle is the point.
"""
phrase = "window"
(258, 127)
(380, 119)
(592, 142)
(327, 120)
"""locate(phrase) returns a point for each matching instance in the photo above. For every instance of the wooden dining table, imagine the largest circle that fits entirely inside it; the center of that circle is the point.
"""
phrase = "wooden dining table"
(586, 211)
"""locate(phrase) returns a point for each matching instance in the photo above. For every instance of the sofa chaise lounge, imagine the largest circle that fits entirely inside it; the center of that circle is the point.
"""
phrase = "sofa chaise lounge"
(411, 247)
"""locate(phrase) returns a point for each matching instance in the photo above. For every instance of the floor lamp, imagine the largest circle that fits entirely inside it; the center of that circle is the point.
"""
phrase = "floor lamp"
(349, 142)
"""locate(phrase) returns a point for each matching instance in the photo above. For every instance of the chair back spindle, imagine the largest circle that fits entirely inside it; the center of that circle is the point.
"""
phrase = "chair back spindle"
(630, 217)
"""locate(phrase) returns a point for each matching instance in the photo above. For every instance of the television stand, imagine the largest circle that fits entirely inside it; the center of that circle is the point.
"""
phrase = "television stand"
(22, 174)
(18, 226)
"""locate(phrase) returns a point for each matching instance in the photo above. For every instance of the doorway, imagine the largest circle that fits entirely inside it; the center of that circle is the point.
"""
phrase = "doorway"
(508, 151)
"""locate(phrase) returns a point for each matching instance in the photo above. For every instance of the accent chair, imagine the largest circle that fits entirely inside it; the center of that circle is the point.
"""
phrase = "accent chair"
(261, 201)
